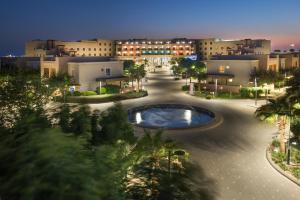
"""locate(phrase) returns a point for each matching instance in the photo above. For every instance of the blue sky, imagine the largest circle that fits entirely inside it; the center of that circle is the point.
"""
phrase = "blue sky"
(22, 20)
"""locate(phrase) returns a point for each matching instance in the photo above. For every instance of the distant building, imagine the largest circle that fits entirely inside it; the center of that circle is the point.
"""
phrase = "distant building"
(157, 52)
(289, 60)
(10, 64)
(207, 48)
(82, 48)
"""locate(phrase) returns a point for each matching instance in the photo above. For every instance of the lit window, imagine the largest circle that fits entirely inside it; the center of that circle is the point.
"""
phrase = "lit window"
(221, 69)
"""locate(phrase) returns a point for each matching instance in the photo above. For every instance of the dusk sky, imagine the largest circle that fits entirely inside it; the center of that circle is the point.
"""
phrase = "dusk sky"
(23, 20)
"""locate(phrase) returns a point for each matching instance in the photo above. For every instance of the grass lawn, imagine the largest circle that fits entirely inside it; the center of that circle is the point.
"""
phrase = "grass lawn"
(105, 97)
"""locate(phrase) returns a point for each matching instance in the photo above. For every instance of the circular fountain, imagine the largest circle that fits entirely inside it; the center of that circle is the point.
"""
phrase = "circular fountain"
(170, 116)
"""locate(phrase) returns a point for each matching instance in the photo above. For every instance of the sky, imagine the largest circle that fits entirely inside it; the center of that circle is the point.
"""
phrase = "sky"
(24, 20)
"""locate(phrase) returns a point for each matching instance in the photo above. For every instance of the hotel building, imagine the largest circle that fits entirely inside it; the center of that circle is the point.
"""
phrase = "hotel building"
(82, 48)
(207, 48)
(157, 52)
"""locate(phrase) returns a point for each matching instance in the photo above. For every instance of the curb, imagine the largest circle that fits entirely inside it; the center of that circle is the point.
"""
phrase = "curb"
(278, 169)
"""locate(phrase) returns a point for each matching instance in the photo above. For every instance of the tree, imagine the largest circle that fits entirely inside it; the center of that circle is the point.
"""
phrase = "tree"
(266, 76)
(95, 128)
(115, 126)
(80, 121)
(139, 72)
(59, 82)
(276, 110)
(129, 68)
(65, 118)
(199, 72)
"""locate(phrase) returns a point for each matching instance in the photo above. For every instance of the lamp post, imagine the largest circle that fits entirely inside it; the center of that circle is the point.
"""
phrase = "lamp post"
(216, 86)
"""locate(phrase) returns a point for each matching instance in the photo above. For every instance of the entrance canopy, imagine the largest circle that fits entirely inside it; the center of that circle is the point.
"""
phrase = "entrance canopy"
(115, 78)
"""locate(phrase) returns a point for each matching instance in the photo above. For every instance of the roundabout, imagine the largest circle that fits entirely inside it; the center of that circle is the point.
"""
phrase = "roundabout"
(230, 150)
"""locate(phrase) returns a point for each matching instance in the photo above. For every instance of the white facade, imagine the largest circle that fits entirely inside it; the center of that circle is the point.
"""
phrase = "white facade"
(86, 73)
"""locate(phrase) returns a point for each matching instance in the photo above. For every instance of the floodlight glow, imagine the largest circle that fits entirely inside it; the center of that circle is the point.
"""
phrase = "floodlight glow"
(138, 118)
(188, 116)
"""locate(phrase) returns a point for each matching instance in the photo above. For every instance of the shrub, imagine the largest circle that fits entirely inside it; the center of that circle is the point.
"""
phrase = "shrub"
(176, 79)
(103, 90)
(208, 96)
(76, 93)
(296, 172)
(275, 143)
(278, 157)
(185, 87)
(250, 92)
(112, 89)
(88, 93)
(295, 127)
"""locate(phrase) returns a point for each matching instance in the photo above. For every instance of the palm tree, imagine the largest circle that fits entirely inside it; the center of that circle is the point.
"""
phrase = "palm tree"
(138, 73)
(199, 72)
(276, 110)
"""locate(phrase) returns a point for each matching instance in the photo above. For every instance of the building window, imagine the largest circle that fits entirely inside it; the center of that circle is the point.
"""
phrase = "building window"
(104, 44)
(89, 54)
(99, 54)
(99, 49)
(89, 49)
(105, 49)
(95, 55)
(100, 44)
(94, 49)
(210, 43)
(105, 54)
(83, 49)
(107, 71)
(77, 49)
(221, 69)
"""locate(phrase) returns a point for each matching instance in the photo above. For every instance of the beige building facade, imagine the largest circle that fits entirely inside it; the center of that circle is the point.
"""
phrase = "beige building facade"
(90, 75)
(50, 66)
(82, 48)
(231, 72)
(208, 48)
(156, 52)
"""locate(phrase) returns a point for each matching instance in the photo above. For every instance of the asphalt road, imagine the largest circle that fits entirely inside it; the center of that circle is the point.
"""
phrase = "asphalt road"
(231, 157)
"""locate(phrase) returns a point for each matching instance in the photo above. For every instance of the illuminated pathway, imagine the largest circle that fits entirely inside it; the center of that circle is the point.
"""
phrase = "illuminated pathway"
(231, 156)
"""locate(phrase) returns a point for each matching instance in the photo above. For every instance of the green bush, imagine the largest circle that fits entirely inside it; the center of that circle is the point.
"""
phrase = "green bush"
(275, 143)
(88, 93)
(296, 172)
(208, 96)
(112, 89)
(76, 93)
(250, 92)
(278, 157)
(185, 88)
(245, 92)
(295, 127)
(103, 90)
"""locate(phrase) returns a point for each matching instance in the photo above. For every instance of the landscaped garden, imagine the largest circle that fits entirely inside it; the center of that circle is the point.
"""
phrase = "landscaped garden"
(284, 110)
(72, 152)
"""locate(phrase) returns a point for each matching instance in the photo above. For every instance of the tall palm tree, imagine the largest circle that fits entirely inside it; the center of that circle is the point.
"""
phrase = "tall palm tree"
(199, 72)
(276, 110)
(139, 72)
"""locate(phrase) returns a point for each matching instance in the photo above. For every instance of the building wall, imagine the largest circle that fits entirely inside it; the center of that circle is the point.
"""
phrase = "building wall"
(292, 60)
(56, 65)
(86, 73)
(97, 47)
(241, 69)
(157, 52)
(210, 47)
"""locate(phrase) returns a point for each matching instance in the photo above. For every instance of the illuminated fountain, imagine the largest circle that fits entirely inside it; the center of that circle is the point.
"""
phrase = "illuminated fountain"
(170, 116)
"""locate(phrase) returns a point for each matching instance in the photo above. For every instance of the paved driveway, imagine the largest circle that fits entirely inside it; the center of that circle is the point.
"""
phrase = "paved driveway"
(231, 156)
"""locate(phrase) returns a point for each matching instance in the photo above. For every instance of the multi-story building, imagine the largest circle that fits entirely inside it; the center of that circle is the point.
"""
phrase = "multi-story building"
(157, 52)
(289, 60)
(96, 47)
(207, 48)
